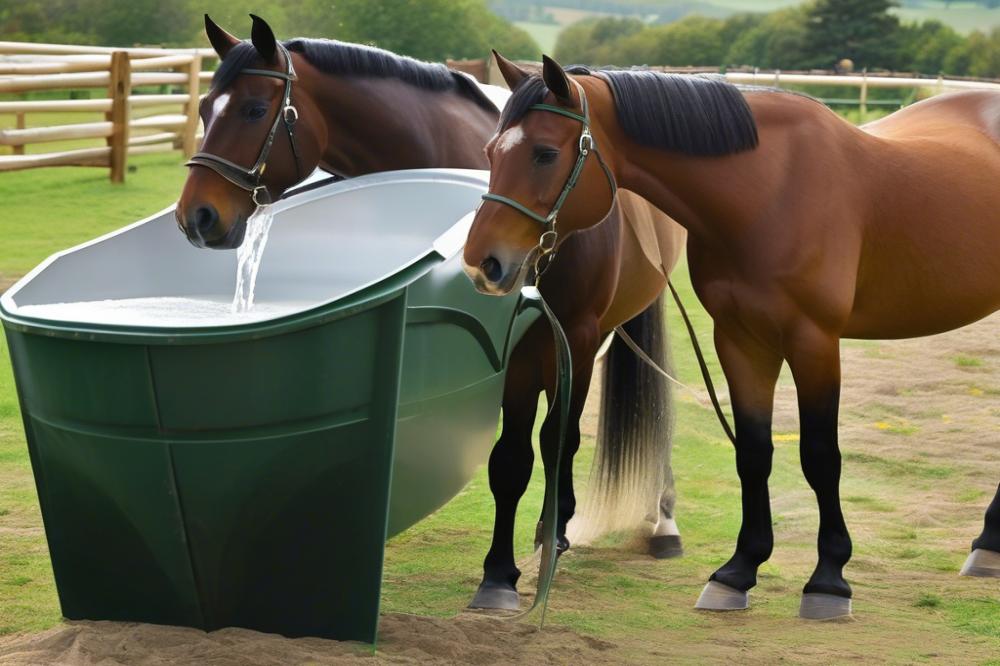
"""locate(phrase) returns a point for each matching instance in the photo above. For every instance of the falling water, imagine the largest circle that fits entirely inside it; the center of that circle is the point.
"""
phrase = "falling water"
(248, 257)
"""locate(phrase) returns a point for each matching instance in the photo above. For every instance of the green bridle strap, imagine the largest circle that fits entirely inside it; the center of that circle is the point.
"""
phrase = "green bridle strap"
(563, 112)
(544, 221)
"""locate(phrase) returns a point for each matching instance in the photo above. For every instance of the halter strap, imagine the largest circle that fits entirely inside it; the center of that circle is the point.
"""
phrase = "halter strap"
(250, 179)
(586, 145)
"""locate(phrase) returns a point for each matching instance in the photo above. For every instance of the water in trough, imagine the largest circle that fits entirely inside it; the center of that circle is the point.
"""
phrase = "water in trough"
(186, 311)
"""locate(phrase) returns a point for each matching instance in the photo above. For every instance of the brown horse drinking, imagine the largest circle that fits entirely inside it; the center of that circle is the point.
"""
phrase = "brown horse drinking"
(359, 110)
(803, 229)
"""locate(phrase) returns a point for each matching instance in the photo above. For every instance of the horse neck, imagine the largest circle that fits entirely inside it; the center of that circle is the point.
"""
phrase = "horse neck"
(712, 197)
(385, 124)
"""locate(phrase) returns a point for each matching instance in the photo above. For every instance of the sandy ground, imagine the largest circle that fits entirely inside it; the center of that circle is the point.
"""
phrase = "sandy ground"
(929, 408)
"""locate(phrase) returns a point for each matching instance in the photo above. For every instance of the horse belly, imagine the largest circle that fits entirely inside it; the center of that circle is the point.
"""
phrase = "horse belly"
(933, 268)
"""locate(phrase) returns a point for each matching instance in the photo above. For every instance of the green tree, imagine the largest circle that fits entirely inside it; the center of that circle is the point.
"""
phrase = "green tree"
(43, 21)
(117, 23)
(589, 41)
(924, 47)
(778, 41)
(862, 30)
(694, 40)
(425, 29)
(981, 54)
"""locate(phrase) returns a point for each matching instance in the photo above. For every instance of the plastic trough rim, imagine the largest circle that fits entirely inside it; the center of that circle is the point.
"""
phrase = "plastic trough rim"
(363, 297)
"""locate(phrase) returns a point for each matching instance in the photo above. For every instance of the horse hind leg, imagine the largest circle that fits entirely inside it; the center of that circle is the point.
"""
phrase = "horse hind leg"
(665, 541)
(984, 560)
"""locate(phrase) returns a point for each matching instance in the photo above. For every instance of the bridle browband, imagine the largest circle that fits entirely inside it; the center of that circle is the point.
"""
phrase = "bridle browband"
(546, 248)
(249, 179)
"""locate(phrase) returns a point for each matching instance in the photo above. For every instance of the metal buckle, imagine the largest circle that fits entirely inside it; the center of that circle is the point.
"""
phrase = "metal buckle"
(547, 242)
(290, 118)
(253, 195)
(586, 141)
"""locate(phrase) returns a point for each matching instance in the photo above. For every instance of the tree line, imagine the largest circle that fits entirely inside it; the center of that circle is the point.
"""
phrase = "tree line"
(426, 29)
(816, 35)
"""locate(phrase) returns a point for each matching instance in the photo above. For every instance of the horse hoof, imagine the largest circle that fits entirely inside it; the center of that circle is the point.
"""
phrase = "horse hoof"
(495, 597)
(665, 546)
(719, 597)
(982, 563)
(819, 606)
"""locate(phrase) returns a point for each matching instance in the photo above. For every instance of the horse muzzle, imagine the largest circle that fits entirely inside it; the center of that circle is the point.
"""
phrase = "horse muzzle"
(203, 228)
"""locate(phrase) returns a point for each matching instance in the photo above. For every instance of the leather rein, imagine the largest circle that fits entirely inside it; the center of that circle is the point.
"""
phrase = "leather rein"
(250, 179)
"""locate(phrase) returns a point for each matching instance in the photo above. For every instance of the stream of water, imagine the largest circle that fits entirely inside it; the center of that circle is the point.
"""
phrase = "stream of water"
(248, 258)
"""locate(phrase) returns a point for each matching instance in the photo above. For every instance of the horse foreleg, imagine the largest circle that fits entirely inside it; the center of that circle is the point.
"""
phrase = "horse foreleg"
(584, 339)
(814, 359)
(751, 372)
(509, 471)
(984, 560)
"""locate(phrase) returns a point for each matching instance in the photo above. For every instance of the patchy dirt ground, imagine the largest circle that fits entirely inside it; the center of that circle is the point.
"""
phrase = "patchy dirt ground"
(920, 432)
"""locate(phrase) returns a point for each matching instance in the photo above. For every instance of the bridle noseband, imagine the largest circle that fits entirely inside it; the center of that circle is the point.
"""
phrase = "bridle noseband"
(249, 179)
(546, 248)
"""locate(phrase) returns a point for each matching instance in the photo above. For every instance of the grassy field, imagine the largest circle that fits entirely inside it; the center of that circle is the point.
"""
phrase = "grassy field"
(911, 606)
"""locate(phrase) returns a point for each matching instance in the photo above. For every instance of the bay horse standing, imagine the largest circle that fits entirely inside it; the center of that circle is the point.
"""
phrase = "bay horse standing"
(802, 229)
(360, 110)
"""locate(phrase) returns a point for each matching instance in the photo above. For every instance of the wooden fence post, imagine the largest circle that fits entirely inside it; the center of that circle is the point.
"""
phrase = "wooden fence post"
(119, 91)
(19, 118)
(863, 101)
(190, 131)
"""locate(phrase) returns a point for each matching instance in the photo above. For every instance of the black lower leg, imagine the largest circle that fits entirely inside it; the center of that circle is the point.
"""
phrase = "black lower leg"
(990, 538)
(815, 364)
(583, 341)
(756, 539)
(509, 471)
(566, 499)
(820, 458)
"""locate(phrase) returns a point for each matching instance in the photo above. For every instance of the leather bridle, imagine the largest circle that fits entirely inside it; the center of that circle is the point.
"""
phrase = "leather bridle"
(250, 179)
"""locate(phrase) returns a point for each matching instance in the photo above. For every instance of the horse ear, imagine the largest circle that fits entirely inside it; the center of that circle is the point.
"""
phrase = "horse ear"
(511, 73)
(263, 40)
(556, 80)
(221, 40)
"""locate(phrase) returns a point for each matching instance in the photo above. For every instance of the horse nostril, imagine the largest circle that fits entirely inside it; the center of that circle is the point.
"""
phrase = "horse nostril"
(204, 218)
(492, 269)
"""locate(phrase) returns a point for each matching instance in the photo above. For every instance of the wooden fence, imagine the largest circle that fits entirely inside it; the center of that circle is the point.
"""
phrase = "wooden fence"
(128, 75)
(131, 75)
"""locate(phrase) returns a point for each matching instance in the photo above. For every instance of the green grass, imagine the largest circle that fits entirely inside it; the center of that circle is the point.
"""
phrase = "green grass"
(46, 210)
(964, 361)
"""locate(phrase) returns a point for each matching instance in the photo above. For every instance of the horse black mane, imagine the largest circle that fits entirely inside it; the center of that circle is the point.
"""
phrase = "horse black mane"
(346, 59)
(694, 115)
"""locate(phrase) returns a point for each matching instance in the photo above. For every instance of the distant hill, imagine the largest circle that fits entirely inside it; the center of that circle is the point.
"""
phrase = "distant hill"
(545, 19)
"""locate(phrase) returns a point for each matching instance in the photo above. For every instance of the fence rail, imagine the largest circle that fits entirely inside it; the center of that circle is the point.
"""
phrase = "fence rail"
(30, 68)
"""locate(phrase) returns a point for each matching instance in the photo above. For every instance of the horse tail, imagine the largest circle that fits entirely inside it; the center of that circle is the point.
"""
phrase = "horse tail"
(631, 474)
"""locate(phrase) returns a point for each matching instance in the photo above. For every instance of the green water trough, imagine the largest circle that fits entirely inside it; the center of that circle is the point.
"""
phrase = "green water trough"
(246, 470)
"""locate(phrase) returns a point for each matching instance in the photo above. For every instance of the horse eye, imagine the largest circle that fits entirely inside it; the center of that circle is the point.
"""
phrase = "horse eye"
(254, 111)
(544, 155)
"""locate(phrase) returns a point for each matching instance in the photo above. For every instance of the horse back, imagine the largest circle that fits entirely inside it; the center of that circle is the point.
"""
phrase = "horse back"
(978, 110)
